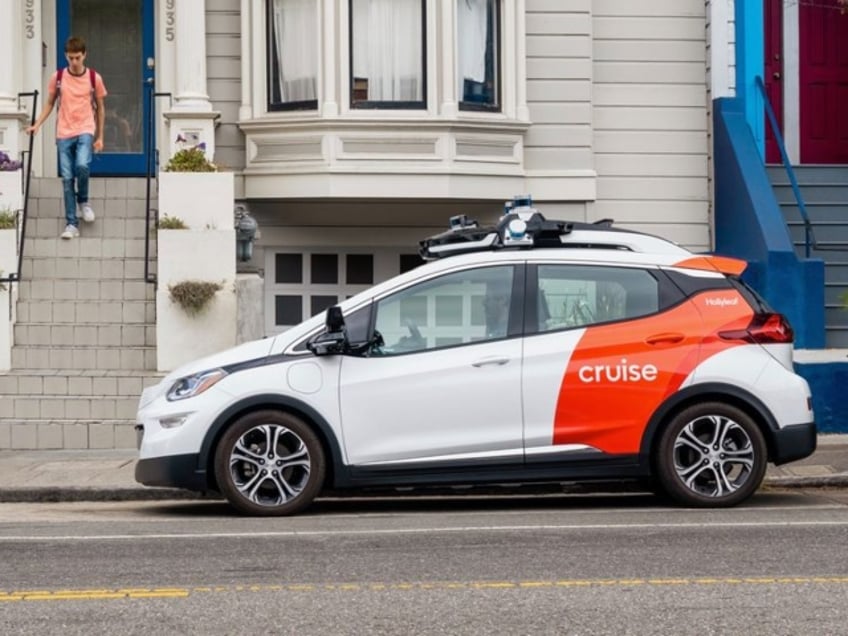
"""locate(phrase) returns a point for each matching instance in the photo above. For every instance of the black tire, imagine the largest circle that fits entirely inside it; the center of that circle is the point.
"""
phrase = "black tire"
(285, 448)
(711, 455)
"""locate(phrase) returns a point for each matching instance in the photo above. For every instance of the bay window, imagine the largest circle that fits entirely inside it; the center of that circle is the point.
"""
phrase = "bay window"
(292, 54)
(387, 54)
(478, 55)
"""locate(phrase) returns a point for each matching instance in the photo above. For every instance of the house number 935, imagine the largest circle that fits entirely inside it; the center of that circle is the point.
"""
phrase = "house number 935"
(170, 19)
(29, 19)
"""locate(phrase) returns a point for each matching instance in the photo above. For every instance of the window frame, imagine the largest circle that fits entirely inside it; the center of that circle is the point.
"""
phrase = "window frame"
(272, 61)
(497, 107)
(386, 105)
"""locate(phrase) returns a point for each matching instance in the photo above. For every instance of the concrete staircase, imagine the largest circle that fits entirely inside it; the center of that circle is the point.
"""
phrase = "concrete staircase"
(825, 193)
(84, 342)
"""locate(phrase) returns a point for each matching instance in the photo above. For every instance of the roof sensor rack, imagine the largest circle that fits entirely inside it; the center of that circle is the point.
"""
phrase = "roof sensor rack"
(521, 226)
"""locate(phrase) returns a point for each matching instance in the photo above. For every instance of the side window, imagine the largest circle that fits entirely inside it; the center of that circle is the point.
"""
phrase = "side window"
(387, 54)
(578, 295)
(478, 54)
(455, 309)
(292, 54)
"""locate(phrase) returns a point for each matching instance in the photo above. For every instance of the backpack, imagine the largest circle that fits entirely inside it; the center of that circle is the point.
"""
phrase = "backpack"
(91, 75)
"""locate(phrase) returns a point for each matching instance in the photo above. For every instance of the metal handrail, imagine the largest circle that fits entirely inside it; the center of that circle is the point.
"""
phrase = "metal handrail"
(809, 235)
(152, 162)
(810, 242)
(15, 277)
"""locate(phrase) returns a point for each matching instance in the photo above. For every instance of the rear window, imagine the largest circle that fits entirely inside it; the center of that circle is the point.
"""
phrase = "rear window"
(757, 302)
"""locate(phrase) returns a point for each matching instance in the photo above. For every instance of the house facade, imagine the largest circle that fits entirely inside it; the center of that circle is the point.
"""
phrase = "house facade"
(353, 129)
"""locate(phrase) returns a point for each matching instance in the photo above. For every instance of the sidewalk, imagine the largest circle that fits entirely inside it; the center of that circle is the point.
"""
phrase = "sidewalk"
(108, 475)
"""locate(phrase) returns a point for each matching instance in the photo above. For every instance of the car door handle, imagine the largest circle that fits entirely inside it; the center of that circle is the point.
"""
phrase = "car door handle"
(665, 338)
(488, 362)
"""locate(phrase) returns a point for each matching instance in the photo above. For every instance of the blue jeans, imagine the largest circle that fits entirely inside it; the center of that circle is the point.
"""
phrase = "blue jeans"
(74, 160)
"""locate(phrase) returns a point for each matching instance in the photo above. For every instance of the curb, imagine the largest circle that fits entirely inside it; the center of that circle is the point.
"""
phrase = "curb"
(58, 494)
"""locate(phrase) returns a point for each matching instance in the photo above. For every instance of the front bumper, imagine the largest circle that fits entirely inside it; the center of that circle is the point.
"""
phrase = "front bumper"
(172, 471)
(793, 442)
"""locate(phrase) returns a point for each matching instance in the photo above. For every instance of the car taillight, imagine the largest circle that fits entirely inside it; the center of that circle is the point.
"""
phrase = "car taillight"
(765, 328)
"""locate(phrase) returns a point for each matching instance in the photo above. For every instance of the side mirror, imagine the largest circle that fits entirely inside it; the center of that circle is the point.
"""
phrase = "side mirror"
(333, 340)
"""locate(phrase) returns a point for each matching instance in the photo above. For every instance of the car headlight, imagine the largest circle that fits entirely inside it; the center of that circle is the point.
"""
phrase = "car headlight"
(196, 384)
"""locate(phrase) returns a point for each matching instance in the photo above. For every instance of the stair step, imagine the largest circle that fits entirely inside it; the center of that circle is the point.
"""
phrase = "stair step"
(87, 312)
(56, 434)
(819, 193)
(82, 357)
(85, 289)
(59, 334)
(808, 174)
(77, 382)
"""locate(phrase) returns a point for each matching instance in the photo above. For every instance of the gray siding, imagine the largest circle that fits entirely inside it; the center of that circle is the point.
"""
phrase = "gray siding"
(559, 85)
(223, 70)
(650, 117)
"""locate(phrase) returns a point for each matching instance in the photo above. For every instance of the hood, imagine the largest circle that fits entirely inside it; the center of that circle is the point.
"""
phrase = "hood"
(247, 351)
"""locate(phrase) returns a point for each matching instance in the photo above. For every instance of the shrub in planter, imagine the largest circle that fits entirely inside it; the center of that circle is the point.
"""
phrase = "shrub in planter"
(171, 223)
(193, 295)
(190, 160)
(8, 219)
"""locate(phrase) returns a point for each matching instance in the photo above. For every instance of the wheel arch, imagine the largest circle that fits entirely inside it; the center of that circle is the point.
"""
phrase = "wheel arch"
(329, 442)
(715, 392)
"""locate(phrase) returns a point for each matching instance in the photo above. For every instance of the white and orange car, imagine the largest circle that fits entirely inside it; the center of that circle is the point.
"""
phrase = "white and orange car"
(533, 351)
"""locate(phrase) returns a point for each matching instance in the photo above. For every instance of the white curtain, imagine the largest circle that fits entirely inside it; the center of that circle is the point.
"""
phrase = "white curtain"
(471, 30)
(388, 49)
(296, 38)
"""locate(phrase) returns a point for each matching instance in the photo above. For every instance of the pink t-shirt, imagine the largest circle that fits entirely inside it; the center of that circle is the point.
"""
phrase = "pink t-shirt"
(76, 114)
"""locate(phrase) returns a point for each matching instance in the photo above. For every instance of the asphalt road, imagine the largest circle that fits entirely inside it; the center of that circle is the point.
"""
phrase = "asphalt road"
(511, 565)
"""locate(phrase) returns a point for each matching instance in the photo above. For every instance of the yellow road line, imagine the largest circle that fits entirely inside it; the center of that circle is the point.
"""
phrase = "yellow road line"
(185, 592)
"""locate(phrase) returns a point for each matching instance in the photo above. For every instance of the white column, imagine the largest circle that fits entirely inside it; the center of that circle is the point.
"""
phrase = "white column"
(792, 81)
(191, 115)
(720, 69)
(448, 52)
(522, 111)
(10, 58)
(191, 56)
(329, 59)
(246, 109)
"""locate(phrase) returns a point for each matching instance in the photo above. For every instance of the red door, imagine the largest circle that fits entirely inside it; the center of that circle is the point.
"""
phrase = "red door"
(773, 17)
(824, 82)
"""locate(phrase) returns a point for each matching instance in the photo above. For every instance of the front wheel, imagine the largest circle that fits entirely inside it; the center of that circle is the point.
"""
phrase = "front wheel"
(711, 455)
(269, 463)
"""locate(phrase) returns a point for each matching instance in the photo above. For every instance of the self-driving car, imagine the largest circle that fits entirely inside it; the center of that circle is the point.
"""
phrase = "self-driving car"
(529, 351)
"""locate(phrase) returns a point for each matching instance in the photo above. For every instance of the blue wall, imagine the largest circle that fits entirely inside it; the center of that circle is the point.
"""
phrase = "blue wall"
(749, 225)
(827, 383)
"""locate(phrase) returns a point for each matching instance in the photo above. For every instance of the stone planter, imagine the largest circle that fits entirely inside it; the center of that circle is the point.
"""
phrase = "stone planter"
(8, 295)
(11, 191)
(204, 200)
(205, 252)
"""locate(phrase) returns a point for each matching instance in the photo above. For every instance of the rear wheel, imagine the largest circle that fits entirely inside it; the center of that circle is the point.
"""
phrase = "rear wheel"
(711, 455)
(269, 463)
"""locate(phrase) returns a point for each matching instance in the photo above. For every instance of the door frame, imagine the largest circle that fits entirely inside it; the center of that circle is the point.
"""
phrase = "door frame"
(119, 164)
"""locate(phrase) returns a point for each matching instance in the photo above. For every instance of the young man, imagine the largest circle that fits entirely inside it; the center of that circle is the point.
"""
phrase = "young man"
(79, 129)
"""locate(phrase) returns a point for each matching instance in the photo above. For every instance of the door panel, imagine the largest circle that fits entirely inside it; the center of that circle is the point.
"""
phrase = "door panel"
(773, 18)
(824, 82)
(443, 405)
(119, 38)
(444, 385)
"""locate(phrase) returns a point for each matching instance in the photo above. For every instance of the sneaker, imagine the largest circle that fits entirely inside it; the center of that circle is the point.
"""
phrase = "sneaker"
(86, 212)
(71, 231)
